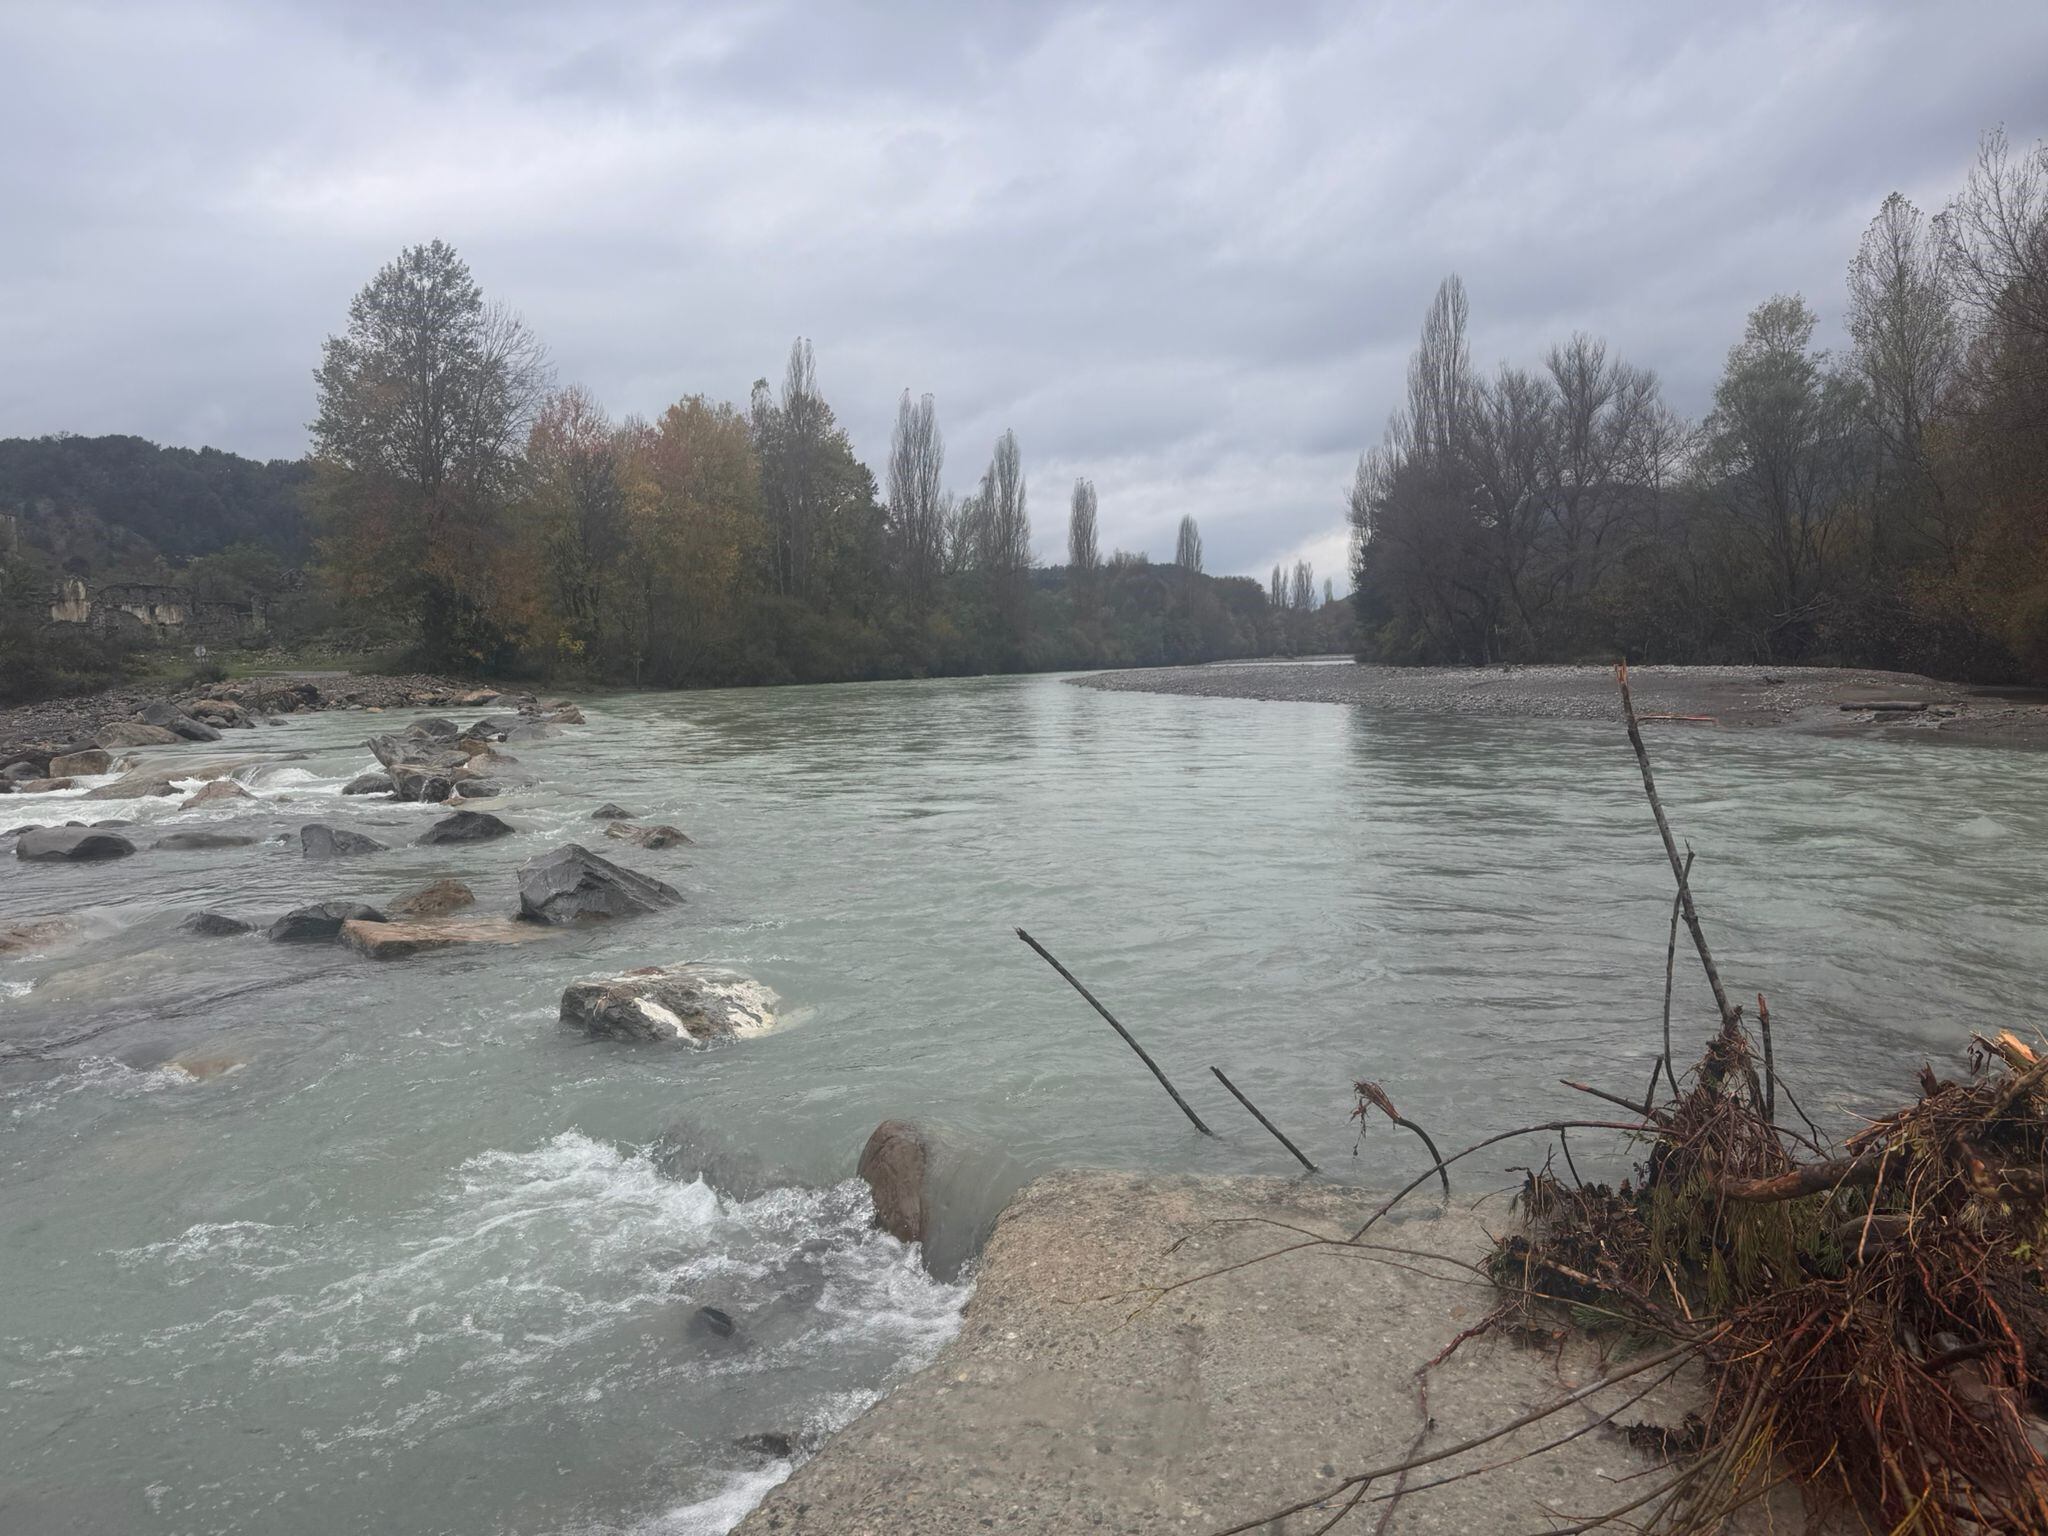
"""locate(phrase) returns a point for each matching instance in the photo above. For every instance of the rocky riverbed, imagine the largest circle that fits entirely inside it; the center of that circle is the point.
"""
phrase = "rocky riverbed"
(1824, 700)
(27, 730)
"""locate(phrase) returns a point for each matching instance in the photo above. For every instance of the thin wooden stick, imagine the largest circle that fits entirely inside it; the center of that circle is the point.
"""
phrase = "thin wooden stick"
(1763, 1027)
(1670, 966)
(1278, 1134)
(1068, 976)
(1692, 918)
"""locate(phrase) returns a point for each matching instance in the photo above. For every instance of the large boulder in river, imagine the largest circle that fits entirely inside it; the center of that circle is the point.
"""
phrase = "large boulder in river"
(692, 1004)
(572, 884)
(169, 716)
(132, 733)
(429, 786)
(434, 729)
(368, 784)
(49, 845)
(221, 713)
(215, 792)
(610, 812)
(466, 827)
(91, 760)
(893, 1165)
(321, 922)
(317, 841)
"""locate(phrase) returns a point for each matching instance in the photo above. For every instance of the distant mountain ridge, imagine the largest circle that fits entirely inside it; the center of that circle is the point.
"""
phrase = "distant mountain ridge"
(121, 504)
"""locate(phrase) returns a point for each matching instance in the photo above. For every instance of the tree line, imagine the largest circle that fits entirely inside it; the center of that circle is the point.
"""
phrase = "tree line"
(1886, 505)
(507, 524)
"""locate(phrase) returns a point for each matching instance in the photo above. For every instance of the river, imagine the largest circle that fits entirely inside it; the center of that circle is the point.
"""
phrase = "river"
(424, 1261)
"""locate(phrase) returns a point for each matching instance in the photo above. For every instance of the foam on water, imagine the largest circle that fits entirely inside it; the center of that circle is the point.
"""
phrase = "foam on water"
(540, 1284)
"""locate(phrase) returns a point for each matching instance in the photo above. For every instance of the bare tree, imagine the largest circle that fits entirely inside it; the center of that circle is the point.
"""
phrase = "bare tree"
(917, 502)
(1003, 526)
(1083, 556)
(1907, 350)
(1187, 549)
(1996, 232)
(1780, 454)
(1508, 457)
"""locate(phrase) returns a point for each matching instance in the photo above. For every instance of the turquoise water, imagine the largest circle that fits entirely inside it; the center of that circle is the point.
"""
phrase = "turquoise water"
(423, 1261)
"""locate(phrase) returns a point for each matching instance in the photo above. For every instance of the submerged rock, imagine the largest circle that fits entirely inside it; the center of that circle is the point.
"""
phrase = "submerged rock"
(466, 827)
(771, 1444)
(647, 837)
(200, 1068)
(436, 900)
(401, 941)
(19, 933)
(893, 1165)
(321, 922)
(688, 1003)
(194, 840)
(572, 884)
(711, 1323)
(368, 784)
(323, 842)
(610, 812)
(215, 925)
(48, 845)
(41, 786)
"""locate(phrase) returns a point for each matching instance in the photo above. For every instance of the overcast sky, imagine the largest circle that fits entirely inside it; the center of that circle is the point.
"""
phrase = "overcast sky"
(1182, 249)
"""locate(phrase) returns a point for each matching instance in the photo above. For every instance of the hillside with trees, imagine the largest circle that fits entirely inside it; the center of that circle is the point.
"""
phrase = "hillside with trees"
(1884, 506)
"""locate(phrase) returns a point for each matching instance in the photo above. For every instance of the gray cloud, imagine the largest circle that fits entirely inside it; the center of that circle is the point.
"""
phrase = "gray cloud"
(1182, 250)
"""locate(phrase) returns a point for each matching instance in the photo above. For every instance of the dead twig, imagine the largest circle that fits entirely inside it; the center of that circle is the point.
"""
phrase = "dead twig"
(1278, 1134)
(1374, 1094)
(1692, 917)
(1670, 966)
(1070, 979)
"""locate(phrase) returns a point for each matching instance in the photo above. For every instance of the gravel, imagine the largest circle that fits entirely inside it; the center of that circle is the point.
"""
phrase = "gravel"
(1827, 700)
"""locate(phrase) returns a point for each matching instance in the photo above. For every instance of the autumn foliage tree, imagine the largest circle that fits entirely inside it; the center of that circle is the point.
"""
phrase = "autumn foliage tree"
(424, 403)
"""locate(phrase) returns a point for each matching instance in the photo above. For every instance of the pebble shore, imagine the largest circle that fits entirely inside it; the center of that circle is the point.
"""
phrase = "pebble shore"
(1823, 700)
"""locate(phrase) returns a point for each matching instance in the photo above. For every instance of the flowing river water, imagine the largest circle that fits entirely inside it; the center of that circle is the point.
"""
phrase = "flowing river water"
(423, 1260)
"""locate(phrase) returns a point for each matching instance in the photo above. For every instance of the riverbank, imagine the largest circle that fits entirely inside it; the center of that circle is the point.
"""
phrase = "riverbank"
(1067, 1403)
(72, 722)
(1820, 700)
